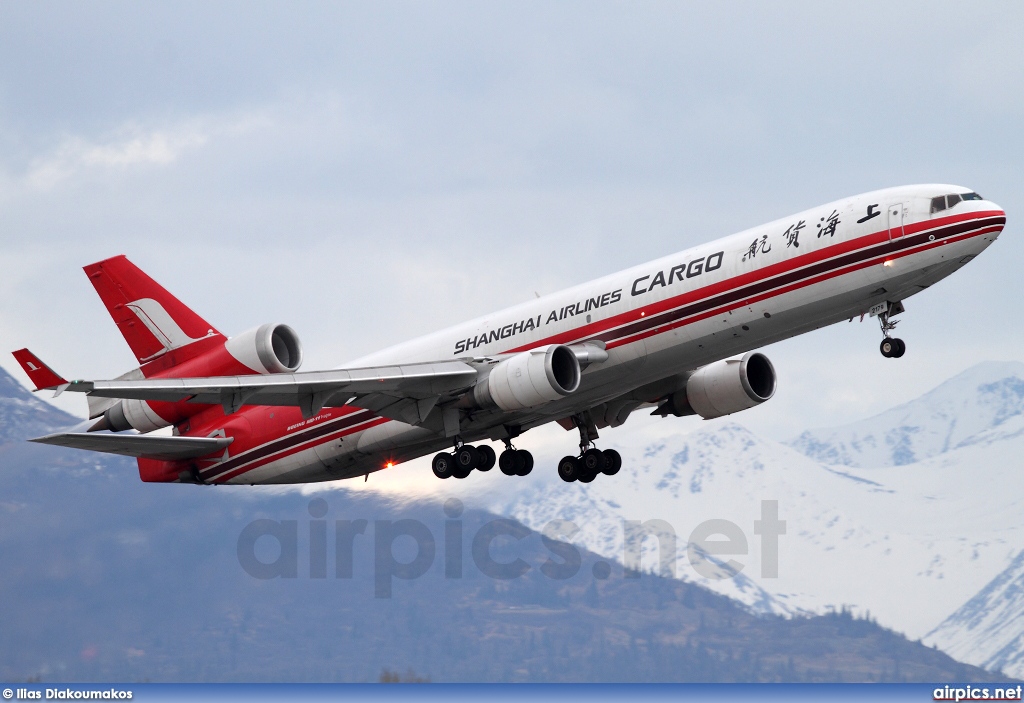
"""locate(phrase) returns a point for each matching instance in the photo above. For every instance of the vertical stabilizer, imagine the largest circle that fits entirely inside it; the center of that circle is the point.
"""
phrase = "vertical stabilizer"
(152, 321)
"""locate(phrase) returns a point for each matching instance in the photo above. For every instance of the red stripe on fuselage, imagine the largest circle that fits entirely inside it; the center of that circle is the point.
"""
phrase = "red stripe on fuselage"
(367, 424)
(597, 329)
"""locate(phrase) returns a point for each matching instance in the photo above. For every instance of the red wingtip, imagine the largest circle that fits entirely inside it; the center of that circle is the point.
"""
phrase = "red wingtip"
(39, 373)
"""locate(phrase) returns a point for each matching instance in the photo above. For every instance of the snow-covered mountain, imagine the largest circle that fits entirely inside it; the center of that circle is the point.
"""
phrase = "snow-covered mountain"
(22, 415)
(982, 397)
(989, 629)
(906, 516)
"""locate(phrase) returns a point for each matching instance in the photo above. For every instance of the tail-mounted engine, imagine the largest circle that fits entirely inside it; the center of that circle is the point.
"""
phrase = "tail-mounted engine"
(265, 349)
(724, 387)
(529, 379)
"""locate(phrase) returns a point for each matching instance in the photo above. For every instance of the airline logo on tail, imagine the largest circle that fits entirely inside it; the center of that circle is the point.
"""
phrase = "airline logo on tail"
(162, 326)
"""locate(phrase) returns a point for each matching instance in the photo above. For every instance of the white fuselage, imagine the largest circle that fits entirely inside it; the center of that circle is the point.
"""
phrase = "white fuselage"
(663, 319)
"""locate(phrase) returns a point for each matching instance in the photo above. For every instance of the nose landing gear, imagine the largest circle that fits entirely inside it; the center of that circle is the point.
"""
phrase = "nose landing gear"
(891, 347)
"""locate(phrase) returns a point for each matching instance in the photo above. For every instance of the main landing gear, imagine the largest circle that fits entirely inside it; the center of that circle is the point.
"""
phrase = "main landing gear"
(589, 464)
(465, 458)
(591, 461)
(891, 347)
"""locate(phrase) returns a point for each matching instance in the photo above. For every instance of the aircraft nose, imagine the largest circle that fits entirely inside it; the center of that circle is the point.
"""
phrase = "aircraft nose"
(1000, 214)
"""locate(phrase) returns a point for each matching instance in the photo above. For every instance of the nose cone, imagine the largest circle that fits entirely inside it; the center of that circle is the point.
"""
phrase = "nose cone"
(998, 216)
(997, 211)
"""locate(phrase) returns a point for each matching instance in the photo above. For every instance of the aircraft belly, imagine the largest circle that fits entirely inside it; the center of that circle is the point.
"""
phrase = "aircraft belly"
(300, 467)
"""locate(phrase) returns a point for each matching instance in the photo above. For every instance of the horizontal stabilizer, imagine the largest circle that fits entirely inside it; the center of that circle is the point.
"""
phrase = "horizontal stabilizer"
(138, 445)
(39, 373)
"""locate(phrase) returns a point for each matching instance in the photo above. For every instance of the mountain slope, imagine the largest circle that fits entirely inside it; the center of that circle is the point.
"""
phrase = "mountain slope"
(982, 397)
(907, 544)
(988, 630)
(23, 415)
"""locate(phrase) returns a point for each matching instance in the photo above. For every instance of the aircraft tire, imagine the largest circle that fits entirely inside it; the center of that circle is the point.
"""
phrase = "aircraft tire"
(594, 461)
(507, 462)
(901, 349)
(888, 347)
(525, 464)
(487, 457)
(569, 469)
(443, 465)
(613, 462)
(587, 476)
(467, 458)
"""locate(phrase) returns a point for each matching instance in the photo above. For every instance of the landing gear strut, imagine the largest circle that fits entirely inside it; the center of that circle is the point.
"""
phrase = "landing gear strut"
(591, 461)
(891, 347)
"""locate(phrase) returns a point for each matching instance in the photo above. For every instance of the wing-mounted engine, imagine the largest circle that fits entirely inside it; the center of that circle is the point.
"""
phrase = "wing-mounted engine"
(723, 388)
(530, 378)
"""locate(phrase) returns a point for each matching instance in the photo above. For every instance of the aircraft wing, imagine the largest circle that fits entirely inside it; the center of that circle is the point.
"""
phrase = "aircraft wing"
(148, 446)
(405, 392)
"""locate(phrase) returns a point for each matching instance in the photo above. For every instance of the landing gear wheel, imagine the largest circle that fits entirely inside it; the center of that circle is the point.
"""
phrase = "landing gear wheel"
(487, 457)
(525, 464)
(587, 476)
(569, 469)
(467, 458)
(593, 461)
(443, 465)
(507, 462)
(901, 348)
(613, 462)
(459, 472)
(888, 347)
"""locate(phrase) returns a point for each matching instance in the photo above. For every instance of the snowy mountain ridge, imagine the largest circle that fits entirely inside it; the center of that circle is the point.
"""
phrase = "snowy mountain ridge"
(22, 415)
(979, 399)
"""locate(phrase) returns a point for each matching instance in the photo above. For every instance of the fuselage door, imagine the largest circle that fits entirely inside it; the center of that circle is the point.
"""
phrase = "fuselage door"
(895, 215)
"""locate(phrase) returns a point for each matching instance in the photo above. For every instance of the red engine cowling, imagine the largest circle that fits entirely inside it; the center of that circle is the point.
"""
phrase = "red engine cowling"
(266, 349)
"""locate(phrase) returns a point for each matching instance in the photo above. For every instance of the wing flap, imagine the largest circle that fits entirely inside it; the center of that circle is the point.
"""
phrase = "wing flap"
(138, 445)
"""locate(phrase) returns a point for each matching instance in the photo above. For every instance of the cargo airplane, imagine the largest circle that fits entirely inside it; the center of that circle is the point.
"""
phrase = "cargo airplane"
(676, 335)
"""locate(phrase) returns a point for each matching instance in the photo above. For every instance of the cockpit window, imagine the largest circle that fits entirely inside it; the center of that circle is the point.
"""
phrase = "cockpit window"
(944, 202)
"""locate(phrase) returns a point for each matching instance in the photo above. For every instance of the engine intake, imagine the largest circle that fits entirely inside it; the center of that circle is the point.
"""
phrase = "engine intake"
(530, 378)
(725, 387)
(268, 348)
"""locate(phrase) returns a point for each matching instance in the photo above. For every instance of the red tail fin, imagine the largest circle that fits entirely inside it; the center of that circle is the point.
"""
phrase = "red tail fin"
(152, 321)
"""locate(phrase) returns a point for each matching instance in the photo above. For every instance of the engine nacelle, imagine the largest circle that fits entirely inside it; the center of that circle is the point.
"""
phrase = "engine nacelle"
(530, 378)
(725, 387)
(265, 349)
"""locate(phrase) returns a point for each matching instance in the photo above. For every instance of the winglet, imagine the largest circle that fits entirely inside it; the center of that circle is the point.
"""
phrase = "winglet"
(39, 373)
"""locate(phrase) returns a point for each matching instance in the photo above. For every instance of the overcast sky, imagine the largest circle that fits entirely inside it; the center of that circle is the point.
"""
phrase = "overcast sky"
(370, 172)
